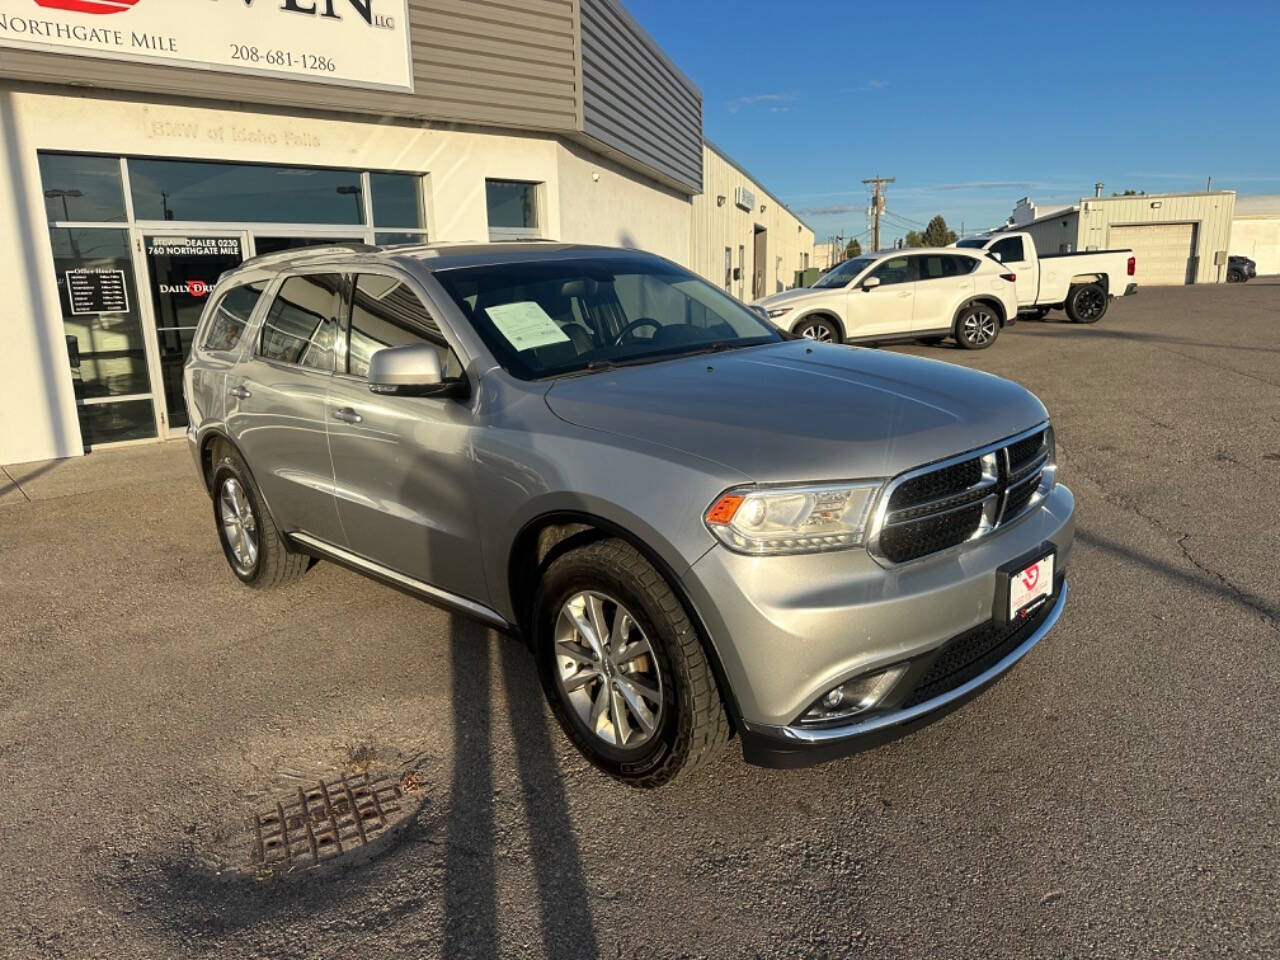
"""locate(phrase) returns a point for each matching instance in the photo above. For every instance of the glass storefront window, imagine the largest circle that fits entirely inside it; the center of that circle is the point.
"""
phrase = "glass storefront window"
(391, 239)
(513, 208)
(244, 193)
(397, 200)
(82, 188)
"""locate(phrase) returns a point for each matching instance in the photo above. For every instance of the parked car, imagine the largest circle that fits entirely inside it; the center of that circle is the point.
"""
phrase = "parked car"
(1082, 284)
(921, 294)
(700, 526)
(1240, 269)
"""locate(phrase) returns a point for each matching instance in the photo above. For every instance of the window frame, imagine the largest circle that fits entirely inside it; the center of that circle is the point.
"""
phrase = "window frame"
(537, 231)
(430, 303)
(278, 288)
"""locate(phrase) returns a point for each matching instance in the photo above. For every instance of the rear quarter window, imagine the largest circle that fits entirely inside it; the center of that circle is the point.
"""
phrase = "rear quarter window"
(231, 317)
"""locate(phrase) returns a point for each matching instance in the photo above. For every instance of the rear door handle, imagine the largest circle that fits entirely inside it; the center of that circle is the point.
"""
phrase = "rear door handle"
(347, 415)
(240, 392)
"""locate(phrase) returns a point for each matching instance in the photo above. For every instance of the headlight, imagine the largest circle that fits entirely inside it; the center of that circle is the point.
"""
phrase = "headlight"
(768, 521)
(778, 311)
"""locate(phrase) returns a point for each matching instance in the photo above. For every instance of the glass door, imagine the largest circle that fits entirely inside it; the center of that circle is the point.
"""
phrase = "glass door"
(181, 273)
(106, 343)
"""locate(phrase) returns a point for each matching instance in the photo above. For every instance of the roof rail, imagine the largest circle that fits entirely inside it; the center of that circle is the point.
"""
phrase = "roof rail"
(299, 253)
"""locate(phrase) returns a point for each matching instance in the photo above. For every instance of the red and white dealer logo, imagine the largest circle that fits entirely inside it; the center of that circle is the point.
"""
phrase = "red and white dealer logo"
(1031, 576)
(88, 6)
(197, 288)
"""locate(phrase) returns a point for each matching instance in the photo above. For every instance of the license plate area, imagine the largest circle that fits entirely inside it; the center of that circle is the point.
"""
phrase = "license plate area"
(1026, 584)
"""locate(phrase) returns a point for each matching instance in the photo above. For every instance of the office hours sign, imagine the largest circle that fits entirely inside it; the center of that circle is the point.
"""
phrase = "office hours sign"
(362, 43)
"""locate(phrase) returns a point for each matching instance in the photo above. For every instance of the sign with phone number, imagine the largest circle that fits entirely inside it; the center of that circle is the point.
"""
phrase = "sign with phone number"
(350, 42)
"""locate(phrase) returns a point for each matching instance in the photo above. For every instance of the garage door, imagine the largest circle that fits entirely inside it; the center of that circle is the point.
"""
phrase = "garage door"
(1165, 251)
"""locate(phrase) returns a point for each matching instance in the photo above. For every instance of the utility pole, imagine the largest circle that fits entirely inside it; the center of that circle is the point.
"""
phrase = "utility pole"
(877, 206)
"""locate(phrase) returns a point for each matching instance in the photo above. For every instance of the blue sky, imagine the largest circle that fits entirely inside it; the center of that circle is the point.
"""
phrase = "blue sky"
(973, 105)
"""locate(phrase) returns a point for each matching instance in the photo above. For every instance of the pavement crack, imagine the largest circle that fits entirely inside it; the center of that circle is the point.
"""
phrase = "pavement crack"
(1270, 615)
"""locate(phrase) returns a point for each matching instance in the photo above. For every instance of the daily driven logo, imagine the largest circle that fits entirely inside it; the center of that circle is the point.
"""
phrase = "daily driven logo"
(88, 6)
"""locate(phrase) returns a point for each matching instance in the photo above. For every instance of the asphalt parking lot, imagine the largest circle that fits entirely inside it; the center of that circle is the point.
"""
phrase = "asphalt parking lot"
(1118, 795)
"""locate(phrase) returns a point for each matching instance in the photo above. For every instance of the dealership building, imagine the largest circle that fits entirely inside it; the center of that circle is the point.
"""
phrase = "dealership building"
(150, 145)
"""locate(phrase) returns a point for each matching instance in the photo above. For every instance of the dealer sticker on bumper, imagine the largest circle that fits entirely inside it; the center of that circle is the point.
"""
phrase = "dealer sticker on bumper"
(1029, 585)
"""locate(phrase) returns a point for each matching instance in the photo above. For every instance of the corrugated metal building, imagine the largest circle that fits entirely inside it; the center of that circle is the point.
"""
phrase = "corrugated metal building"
(743, 237)
(1255, 231)
(1178, 238)
(150, 145)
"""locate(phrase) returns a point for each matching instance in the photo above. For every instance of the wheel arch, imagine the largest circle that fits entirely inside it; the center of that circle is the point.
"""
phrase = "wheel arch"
(549, 535)
(824, 313)
(208, 442)
(989, 302)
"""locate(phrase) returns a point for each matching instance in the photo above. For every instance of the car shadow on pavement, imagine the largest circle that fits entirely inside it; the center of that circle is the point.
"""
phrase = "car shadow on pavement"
(182, 895)
(1207, 582)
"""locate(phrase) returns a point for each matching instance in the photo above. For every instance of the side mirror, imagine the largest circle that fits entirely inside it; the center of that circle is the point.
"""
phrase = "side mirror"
(870, 283)
(412, 371)
(997, 256)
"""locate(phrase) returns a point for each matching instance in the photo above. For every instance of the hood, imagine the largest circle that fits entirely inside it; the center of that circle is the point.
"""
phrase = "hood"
(791, 297)
(799, 411)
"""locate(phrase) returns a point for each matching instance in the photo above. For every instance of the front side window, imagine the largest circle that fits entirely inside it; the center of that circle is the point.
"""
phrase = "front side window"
(843, 273)
(301, 327)
(385, 312)
(512, 207)
(562, 316)
(894, 270)
(231, 318)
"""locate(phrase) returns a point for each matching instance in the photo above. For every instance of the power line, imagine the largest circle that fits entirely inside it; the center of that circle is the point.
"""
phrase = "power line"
(890, 213)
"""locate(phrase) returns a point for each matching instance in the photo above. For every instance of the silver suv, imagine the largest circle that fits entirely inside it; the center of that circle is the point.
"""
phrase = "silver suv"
(701, 527)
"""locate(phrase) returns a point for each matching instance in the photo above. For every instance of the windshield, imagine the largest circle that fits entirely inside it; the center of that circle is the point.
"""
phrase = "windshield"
(553, 317)
(845, 272)
(974, 243)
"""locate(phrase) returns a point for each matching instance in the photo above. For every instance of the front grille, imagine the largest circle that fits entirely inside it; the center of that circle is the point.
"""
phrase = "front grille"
(934, 509)
(975, 652)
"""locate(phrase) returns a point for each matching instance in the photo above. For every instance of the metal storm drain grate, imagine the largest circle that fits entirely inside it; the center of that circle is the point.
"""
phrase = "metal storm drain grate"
(332, 818)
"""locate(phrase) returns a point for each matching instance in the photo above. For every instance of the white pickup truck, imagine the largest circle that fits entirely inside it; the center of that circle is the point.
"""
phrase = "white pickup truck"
(1082, 284)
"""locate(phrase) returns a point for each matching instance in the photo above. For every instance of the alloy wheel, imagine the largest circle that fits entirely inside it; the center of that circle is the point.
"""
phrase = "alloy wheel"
(239, 525)
(607, 671)
(816, 331)
(1089, 303)
(979, 327)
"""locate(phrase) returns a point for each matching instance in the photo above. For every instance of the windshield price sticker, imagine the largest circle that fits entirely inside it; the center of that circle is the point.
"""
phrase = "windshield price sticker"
(526, 325)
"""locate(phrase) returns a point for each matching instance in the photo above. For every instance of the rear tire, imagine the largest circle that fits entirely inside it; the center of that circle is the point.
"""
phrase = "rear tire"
(1087, 303)
(817, 328)
(977, 327)
(254, 548)
(1235, 276)
(608, 629)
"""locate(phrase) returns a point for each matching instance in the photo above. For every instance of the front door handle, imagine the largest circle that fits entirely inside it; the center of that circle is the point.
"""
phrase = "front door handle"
(347, 415)
(240, 392)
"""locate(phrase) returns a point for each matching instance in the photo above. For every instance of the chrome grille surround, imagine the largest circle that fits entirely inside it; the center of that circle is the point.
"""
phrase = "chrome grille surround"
(1016, 475)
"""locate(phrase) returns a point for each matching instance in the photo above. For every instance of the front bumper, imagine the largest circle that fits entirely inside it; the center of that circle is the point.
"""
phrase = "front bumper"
(788, 629)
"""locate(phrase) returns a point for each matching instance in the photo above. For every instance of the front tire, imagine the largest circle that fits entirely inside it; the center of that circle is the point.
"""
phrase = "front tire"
(1235, 276)
(1087, 303)
(254, 548)
(622, 666)
(817, 328)
(977, 327)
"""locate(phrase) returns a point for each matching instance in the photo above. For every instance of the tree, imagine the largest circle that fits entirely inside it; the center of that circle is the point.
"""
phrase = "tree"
(1127, 193)
(853, 249)
(937, 233)
(914, 238)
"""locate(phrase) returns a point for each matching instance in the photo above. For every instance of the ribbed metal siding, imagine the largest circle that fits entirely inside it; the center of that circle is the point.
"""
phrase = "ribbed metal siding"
(507, 64)
(634, 100)
(1210, 212)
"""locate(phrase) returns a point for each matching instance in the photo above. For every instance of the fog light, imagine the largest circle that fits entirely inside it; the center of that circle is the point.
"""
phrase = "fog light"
(854, 696)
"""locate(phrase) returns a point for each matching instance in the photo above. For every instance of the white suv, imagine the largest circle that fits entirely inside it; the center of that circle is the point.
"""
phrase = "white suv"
(922, 294)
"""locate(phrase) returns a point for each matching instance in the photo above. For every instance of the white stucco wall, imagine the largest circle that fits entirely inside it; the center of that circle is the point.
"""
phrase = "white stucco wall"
(37, 407)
